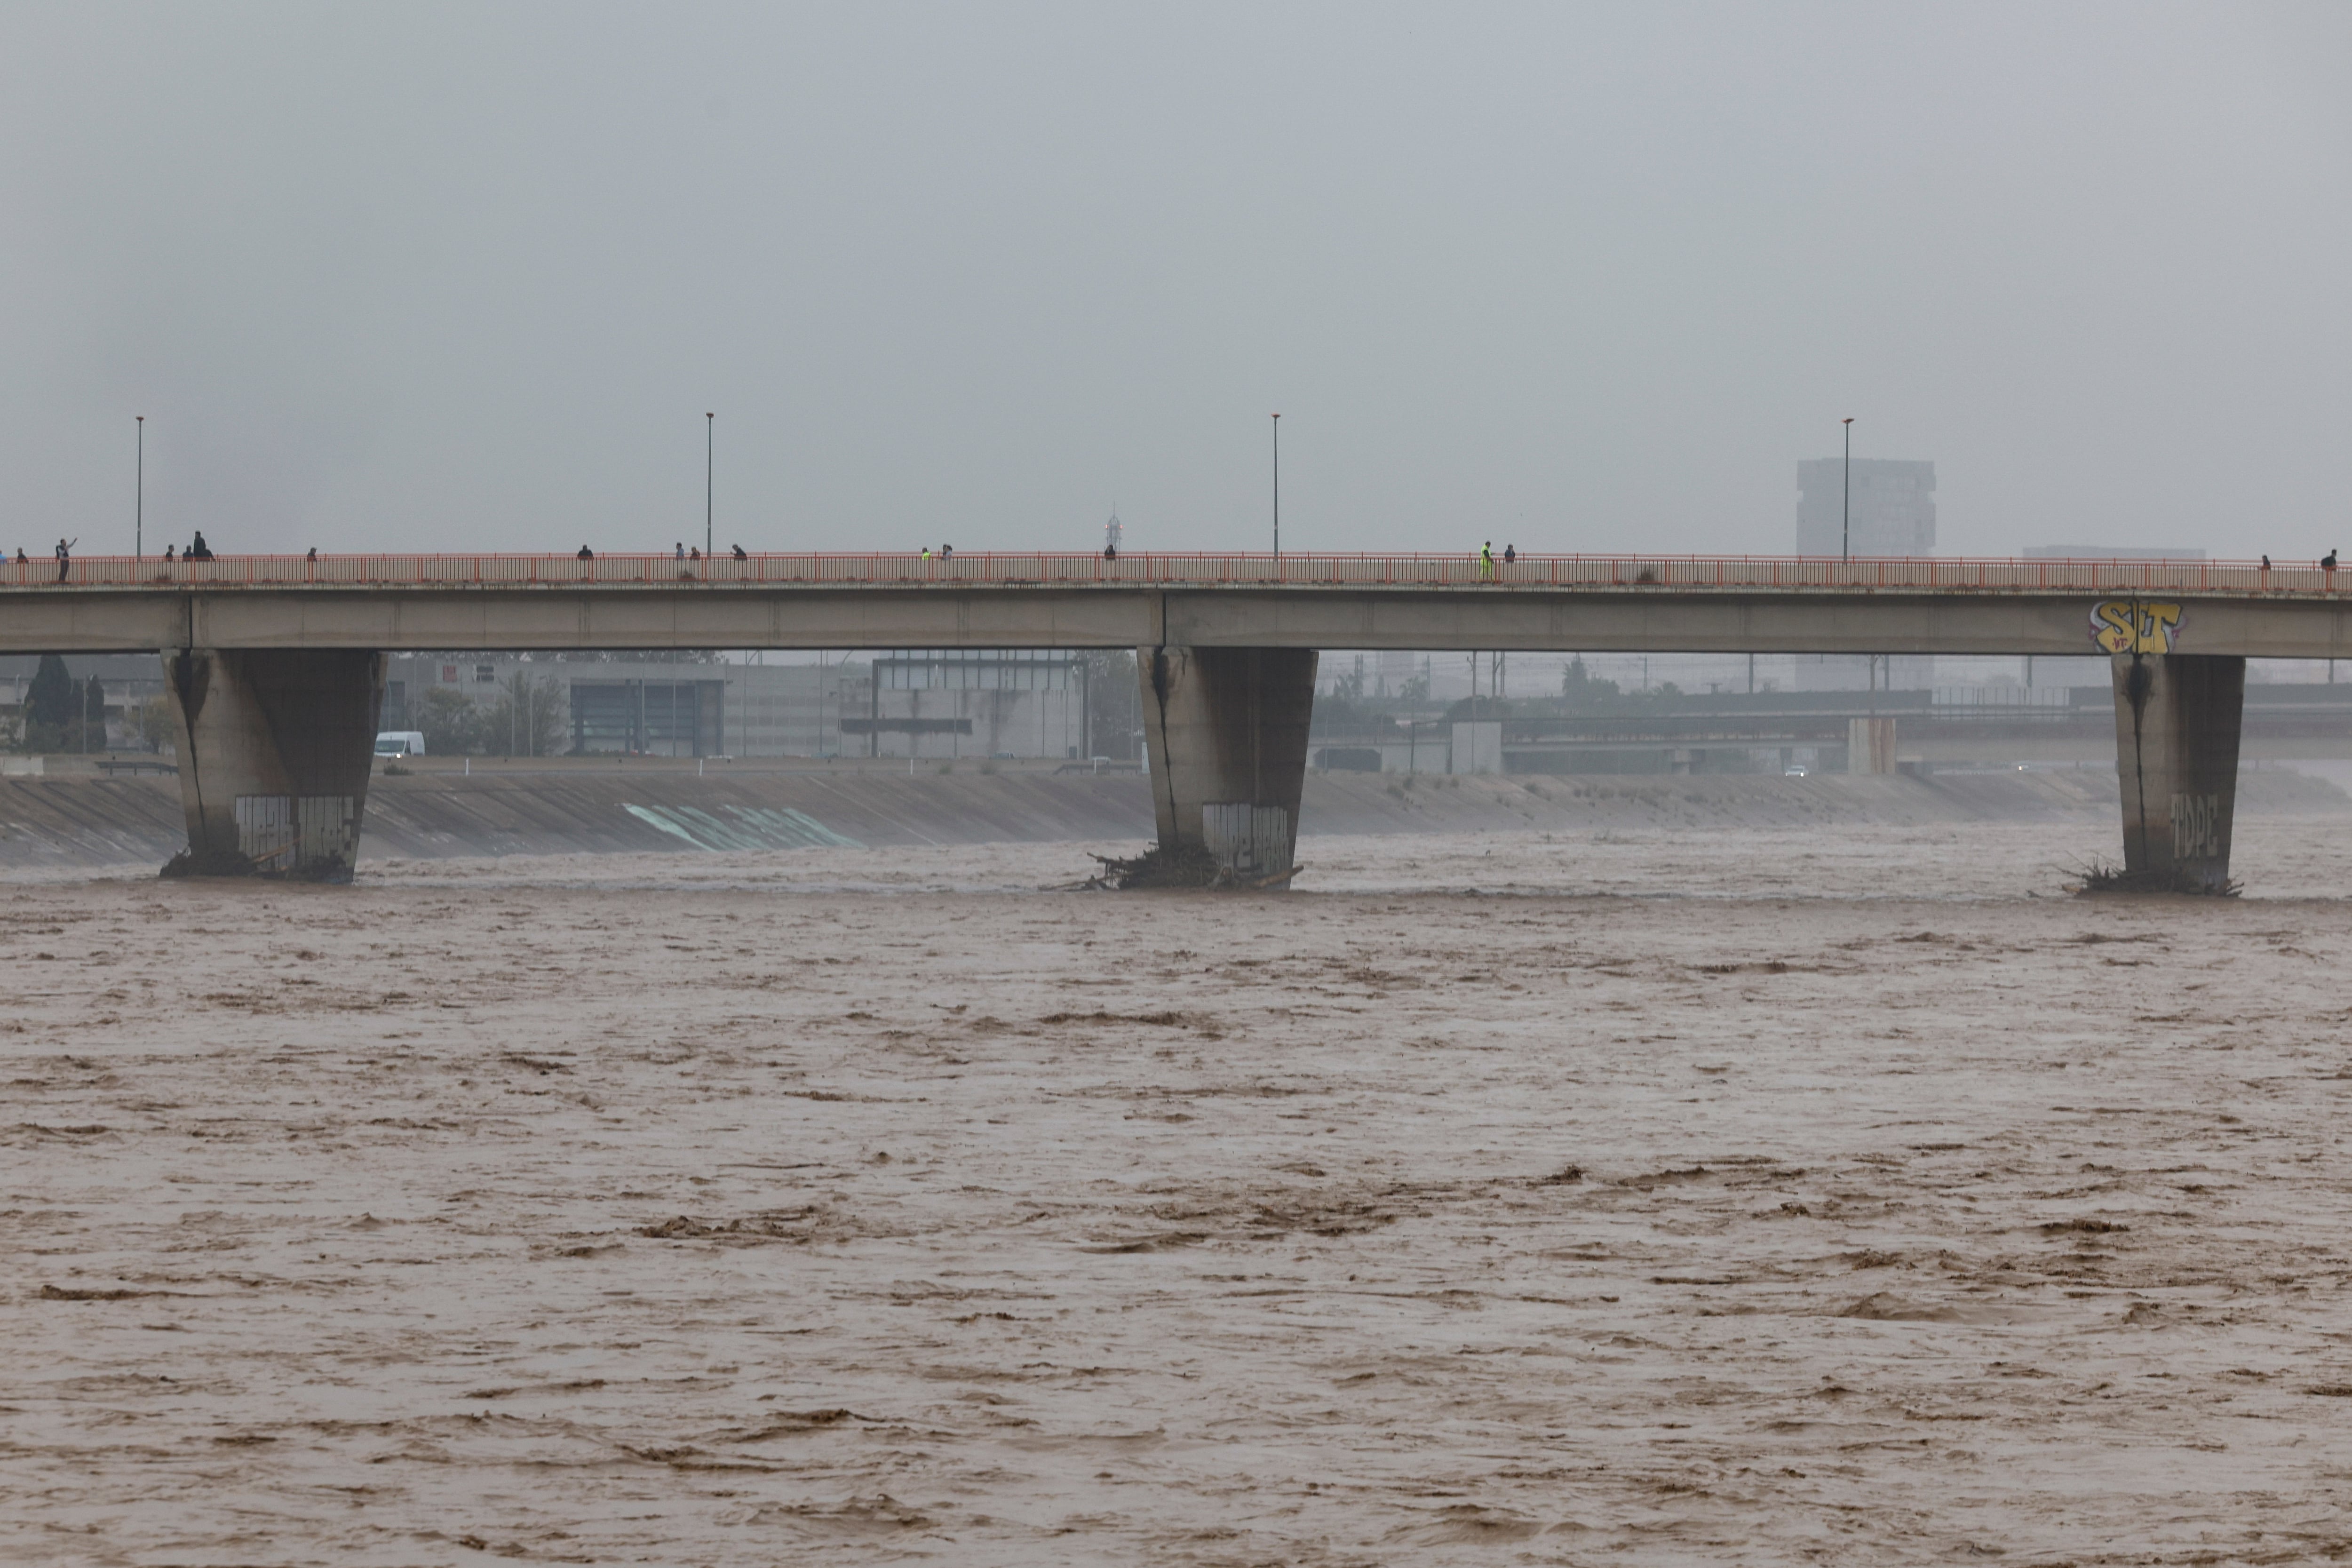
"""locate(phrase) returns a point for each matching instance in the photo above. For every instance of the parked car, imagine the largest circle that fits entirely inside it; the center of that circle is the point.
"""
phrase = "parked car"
(400, 744)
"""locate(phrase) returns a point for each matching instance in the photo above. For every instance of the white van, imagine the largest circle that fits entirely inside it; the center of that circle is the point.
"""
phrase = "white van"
(400, 744)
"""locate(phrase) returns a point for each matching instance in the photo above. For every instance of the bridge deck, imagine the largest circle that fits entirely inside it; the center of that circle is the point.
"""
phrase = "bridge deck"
(1666, 573)
(1645, 603)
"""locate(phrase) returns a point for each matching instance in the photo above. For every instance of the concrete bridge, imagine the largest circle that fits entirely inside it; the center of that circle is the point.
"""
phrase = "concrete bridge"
(274, 662)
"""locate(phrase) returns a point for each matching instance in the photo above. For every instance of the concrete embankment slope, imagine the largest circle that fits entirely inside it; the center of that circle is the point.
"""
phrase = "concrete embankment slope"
(68, 822)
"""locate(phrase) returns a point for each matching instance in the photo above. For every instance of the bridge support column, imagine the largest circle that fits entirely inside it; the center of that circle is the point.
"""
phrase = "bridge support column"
(1870, 746)
(275, 751)
(2178, 718)
(1227, 728)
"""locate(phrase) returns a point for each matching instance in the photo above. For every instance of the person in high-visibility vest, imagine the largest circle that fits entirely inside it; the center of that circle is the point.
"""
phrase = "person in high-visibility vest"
(1487, 559)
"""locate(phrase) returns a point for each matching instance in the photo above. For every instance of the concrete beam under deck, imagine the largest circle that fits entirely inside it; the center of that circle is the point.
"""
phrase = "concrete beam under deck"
(1628, 620)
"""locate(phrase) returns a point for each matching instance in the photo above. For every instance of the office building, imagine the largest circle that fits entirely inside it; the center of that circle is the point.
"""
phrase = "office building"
(1893, 508)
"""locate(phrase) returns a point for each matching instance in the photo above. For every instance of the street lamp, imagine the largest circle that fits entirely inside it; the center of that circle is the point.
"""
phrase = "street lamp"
(139, 505)
(1845, 507)
(1278, 486)
(709, 448)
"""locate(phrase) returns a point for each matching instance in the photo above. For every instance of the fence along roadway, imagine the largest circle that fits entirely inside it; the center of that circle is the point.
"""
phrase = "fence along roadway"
(1632, 602)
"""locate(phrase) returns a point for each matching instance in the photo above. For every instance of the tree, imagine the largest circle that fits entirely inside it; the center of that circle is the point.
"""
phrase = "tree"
(152, 722)
(49, 705)
(1581, 688)
(93, 717)
(452, 722)
(528, 719)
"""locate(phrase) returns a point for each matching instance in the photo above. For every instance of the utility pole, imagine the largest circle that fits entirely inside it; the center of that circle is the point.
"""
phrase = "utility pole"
(710, 450)
(1278, 486)
(1845, 507)
(139, 506)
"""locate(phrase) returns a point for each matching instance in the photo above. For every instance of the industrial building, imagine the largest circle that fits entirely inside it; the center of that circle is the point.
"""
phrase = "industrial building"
(942, 703)
(660, 707)
(985, 702)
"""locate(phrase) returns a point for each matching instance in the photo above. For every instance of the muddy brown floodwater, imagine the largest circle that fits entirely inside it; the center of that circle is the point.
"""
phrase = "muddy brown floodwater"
(1737, 1196)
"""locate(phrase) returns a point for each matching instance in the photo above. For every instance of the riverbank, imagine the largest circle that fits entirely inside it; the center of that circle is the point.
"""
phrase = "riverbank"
(60, 823)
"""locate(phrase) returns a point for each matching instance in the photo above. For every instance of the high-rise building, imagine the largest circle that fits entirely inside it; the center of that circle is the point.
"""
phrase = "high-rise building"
(1893, 506)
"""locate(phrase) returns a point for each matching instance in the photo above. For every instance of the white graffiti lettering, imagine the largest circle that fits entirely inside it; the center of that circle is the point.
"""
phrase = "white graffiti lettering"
(2196, 826)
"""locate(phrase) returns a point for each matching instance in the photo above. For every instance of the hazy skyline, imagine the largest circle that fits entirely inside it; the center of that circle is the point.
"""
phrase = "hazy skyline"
(444, 276)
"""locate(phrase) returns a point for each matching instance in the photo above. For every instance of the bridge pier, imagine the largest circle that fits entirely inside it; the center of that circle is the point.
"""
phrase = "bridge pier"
(2177, 718)
(275, 750)
(1227, 732)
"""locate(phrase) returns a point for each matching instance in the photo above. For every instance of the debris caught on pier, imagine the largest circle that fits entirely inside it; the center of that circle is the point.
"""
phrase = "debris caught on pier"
(2100, 876)
(1185, 866)
(209, 863)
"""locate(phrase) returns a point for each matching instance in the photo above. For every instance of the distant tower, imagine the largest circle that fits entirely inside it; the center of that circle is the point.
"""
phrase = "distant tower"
(1114, 532)
(1894, 506)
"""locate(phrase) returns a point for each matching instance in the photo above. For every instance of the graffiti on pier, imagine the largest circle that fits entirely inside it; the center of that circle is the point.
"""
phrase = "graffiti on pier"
(2128, 626)
(2196, 826)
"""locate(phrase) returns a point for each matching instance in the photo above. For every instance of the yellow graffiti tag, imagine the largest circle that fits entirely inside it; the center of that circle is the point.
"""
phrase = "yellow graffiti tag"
(2127, 626)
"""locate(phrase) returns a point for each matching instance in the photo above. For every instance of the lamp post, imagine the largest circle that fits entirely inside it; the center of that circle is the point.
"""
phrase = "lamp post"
(1278, 486)
(139, 504)
(1845, 505)
(710, 450)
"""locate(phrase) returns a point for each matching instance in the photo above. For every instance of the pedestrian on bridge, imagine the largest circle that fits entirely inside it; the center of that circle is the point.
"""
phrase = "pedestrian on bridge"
(65, 558)
(680, 548)
(1510, 555)
(586, 555)
(739, 555)
(1487, 559)
(2328, 562)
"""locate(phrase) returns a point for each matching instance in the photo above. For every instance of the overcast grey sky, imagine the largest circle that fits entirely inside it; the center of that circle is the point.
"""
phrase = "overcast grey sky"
(1580, 277)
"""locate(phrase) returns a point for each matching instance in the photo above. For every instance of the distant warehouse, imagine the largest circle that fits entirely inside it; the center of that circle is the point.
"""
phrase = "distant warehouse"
(942, 703)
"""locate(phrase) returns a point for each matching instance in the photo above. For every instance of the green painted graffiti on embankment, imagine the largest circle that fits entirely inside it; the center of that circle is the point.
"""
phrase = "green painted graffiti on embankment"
(753, 828)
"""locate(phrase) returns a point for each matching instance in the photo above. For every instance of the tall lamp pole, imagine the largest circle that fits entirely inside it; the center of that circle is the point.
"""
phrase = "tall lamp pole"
(1278, 486)
(139, 504)
(1845, 507)
(709, 449)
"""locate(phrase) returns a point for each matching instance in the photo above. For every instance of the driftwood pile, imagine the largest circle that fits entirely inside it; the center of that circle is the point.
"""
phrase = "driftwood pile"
(2099, 877)
(1186, 866)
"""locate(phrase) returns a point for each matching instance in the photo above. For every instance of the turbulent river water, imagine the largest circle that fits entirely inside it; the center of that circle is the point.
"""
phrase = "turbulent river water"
(1662, 1197)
